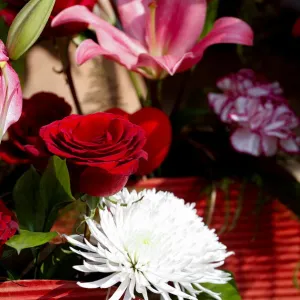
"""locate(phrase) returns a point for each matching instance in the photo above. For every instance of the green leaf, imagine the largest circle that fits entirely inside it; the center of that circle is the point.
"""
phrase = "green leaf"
(59, 264)
(55, 189)
(3, 29)
(227, 291)
(91, 201)
(27, 239)
(20, 67)
(2, 4)
(28, 26)
(211, 15)
(27, 198)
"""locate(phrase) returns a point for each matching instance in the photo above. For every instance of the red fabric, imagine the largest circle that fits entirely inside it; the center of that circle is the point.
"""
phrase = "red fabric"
(48, 290)
(41, 109)
(266, 243)
(14, 6)
(102, 150)
(158, 131)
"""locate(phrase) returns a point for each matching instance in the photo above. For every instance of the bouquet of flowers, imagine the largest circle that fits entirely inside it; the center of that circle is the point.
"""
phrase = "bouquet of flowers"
(121, 242)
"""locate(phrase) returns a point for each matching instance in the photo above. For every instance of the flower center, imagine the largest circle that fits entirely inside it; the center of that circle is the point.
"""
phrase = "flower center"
(154, 50)
(2, 64)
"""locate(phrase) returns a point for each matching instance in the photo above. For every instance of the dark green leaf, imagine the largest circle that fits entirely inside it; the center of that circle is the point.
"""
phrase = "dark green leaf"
(211, 15)
(59, 264)
(19, 67)
(2, 4)
(3, 29)
(27, 199)
(27, 239)
(227, 291)
(55, 189)
(92, 201)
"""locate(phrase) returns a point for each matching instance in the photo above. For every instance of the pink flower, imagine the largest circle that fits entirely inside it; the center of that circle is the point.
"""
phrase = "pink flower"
(10, 93)
(160, 37)
(262, 120)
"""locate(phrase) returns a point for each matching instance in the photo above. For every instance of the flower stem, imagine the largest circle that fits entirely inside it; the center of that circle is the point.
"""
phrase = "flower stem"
(154, 93)
(63, 51)
(138, 86)
(86, 228)
(181, 93)
(73, 90)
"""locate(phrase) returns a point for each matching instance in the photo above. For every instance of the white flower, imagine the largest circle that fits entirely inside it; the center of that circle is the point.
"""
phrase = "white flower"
(156, 243)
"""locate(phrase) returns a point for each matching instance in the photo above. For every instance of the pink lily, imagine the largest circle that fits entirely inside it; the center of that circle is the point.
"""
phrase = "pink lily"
(160, 36)
(10, 93)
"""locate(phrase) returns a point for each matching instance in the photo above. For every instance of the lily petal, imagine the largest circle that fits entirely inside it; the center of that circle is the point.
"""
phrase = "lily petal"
(157, 64)
(133, 15)
(87, 50)
(179, 24)
(11, 98)
(111, 40)
(243, 140)
(226, 30)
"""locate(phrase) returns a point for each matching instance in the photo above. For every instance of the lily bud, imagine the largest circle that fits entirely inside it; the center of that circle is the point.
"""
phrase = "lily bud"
(28, 26)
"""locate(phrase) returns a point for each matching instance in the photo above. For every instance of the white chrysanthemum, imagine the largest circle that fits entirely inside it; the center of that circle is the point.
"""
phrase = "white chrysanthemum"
(156, 243)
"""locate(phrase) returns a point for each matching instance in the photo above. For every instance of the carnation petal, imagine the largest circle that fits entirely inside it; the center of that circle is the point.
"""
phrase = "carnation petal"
(217, 101)
(269, 145)
(290, 145)
(246, 141)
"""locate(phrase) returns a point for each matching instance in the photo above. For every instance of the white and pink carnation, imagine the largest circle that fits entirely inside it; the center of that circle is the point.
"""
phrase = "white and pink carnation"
(260, 117)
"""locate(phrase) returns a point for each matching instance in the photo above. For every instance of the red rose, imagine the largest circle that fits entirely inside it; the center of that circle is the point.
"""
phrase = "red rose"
(158, 131)
(8, 225)
(14, 6)
(102, 150)
(41, 109)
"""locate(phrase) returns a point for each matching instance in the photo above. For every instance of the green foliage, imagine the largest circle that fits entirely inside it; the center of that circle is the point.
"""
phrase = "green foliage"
(3, 29)
(55, 189)
(27, 200)
(39, 198)
(212, 11)
(2, 4)
(227, 291)
(59, 264)
(18, 65)
(27, 239)
(28, 26)
(92, 203)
